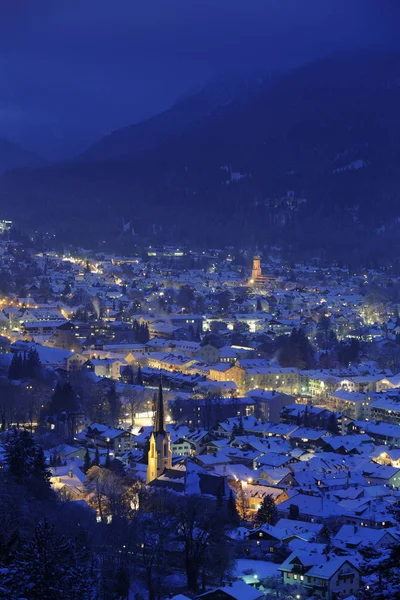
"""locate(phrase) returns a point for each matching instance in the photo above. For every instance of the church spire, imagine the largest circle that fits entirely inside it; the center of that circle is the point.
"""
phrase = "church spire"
(159, 424)
(160, 455)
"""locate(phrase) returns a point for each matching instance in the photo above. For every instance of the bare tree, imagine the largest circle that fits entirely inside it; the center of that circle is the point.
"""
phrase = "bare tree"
(201, 533)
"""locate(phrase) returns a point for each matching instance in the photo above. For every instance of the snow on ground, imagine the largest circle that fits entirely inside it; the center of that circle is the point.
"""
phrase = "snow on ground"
(246, 567)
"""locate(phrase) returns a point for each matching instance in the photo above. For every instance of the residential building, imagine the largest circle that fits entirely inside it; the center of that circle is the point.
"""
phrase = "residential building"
(322, 575)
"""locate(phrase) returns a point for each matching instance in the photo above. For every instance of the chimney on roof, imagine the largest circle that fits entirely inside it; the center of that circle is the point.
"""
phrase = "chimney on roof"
(70, 473)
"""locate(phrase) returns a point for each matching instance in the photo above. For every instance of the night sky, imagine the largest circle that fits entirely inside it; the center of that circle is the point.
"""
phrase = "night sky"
(72, 70)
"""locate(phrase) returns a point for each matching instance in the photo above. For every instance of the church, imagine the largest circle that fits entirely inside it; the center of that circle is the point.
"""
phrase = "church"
(186, 476)
(257, 278)
(160, 455)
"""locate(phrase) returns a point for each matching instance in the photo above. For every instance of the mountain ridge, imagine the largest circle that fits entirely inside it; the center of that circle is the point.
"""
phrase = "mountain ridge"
(297, 136)
(14, 156)
(187, 110)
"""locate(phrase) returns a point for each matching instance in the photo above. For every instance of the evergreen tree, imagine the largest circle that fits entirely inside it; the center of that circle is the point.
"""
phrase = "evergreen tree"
(332, 424)
(139, 376)
(145, 334)
(349, 352)
(27, 463)
(232, 509)
(96, 461)
(107, 462)
(127, 375)
(20, 453)
(86, 461)
(305, 349)
(32, 367)
(63, 399)
(15, 368)
(259, 305)
(114, 405)
(220, 499)
(48, 567)
(40, 475)
(115, 580)
(67, 289)
(267, 513)
(240, 428)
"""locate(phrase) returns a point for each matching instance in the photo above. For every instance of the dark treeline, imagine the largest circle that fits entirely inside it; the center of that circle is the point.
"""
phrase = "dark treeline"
(54, 549)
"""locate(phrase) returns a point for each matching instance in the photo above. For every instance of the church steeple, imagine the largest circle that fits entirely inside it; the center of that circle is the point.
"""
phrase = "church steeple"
(159, 426)
(160, 455)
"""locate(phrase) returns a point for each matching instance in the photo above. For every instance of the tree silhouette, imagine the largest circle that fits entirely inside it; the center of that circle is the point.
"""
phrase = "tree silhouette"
(267, 513)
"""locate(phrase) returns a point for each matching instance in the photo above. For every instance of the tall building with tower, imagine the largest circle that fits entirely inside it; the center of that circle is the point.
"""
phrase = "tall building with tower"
(257, 278)
(160, 455)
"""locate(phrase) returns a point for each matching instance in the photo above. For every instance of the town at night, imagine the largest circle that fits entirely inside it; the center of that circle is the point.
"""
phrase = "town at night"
(199, 300)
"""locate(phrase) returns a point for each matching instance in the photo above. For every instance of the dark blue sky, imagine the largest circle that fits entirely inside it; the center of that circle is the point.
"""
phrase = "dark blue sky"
(72, 70)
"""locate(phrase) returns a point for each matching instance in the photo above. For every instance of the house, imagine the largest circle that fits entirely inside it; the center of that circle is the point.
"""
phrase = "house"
(76, 361)
(169, 361)
(376, 474)
(265, 538)
(107, 367)
(67, 452)
(321, 575)
(103, 436)
(285, 531)
(238, 590)
(293, 529)
(269, 403)
(194, 322)
(208, 412)
(386, 407)
(183, 447)
(309, 508)
(227, 372)
(382, 433)
(208, 354)
(69, 482)
(188, 478)
(305, 414)
(306, 437)
(347, 444)
(250, 497)
(351, 404)
(40, 328)
(64, 337)
(282, 476)
(351, 537)
(281, 379)
(49, 357)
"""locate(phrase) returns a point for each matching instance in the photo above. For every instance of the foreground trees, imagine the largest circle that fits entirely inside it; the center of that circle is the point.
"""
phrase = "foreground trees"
(52, 549)
(206, 549)
(46, 566)
(27, 463)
